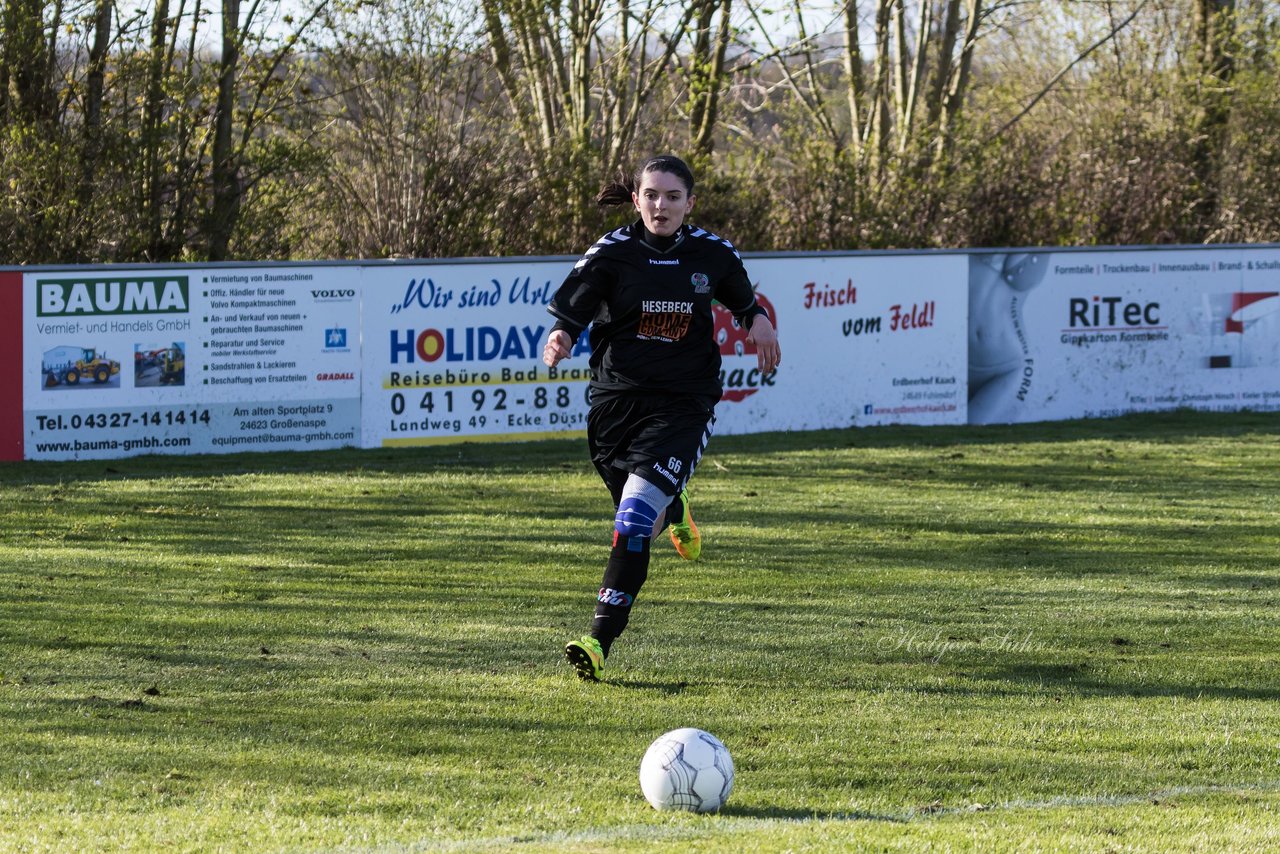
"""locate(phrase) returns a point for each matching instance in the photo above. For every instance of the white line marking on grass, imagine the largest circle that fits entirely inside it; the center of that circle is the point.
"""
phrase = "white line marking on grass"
(734, 824)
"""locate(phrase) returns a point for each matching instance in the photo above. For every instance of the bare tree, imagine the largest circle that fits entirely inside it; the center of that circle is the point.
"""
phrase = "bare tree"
(225, 176)
(95, 91)
(419, 159)
(1214, 28)
(152, 116)
(954, 79)
(244, 108)
(712, 35)
(27, 60)
(578, 75)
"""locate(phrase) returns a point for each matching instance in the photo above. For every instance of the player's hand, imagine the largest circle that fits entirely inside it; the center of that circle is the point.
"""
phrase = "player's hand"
(768, 353)
(557, 348)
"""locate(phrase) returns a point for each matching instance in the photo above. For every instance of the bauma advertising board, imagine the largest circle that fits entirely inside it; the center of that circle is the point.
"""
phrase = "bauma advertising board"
(189, 360)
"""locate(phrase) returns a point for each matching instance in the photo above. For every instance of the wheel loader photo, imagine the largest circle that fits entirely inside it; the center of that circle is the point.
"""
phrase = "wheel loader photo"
(70, 365)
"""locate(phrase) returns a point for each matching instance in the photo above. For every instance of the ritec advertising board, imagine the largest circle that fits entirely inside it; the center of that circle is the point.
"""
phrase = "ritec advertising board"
(1058, 335)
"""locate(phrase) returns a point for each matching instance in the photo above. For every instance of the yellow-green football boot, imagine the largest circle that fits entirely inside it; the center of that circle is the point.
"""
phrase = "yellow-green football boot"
(586, 656)
(684, 534)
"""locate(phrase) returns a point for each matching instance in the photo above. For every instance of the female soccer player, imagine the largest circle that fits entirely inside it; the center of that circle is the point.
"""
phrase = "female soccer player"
(646, 291)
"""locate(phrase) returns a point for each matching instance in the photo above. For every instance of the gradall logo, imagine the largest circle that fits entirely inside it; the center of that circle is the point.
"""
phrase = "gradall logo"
(738, 373)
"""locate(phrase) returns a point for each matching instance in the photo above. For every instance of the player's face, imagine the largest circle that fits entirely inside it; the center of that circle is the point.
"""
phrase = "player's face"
(663, 202)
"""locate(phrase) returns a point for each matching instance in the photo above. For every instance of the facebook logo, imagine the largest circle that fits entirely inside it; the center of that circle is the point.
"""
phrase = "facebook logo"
(335, 339)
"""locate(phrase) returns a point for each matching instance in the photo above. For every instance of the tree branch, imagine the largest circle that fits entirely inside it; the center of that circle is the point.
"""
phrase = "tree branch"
(1048, 87)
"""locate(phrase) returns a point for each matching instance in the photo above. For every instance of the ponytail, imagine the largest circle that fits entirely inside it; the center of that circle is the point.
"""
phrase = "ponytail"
(615, 194)
(620, 191)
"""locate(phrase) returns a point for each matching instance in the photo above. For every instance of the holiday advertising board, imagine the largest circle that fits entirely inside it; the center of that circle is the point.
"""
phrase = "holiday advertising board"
(189, 360)
(453, 352)
(1058, 335)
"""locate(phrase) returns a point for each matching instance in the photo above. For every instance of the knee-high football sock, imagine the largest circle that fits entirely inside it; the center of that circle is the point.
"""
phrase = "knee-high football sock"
(624, 575)
(675, 512)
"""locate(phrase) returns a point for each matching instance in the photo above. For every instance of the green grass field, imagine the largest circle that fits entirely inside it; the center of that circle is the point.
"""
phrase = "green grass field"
(1053, 636)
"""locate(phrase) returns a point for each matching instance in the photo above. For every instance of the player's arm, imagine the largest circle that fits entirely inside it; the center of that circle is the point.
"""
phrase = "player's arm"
(574, 306)
(736, 294)
(765, 338)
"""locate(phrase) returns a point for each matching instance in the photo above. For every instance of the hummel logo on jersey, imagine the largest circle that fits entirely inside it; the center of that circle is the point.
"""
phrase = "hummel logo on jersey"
(668, 475)
(672, 262)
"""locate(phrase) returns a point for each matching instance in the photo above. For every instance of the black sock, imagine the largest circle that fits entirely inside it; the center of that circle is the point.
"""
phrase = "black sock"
(675, 512)
(624, 575)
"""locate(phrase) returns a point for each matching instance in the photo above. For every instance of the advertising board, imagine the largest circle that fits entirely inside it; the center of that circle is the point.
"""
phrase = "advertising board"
(189, 360)
(110, 362)
(453, 352)
(866, 340)
(11, 322)
(1057, 335)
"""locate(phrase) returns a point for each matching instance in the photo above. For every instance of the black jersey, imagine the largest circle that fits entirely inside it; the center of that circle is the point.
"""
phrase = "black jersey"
(648, 301)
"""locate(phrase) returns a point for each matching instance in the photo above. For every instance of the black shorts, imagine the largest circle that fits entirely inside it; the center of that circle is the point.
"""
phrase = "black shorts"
(659, 437)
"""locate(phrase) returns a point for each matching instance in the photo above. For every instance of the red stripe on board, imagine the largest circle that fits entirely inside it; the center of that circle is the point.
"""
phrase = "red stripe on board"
(11, 447)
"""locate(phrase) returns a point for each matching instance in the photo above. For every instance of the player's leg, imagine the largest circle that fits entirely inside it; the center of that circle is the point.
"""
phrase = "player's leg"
(611, 427)
(676, 518)
(669, 452)
(640, 503)
(645, 451)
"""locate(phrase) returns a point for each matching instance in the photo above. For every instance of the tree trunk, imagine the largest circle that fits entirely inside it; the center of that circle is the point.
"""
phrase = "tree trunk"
(225, 176)
(855, 84)
(584, 21)
(707, 75)
(1215, 23)
(152, 116)
(6, 43)
(900, 60)
(946, 58)
(914, 80)
(958, 85)
(95, 80)
(878, 122)
(24, 57)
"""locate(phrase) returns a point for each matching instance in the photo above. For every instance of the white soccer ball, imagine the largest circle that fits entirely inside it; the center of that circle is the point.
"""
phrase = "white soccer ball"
(687, 769)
